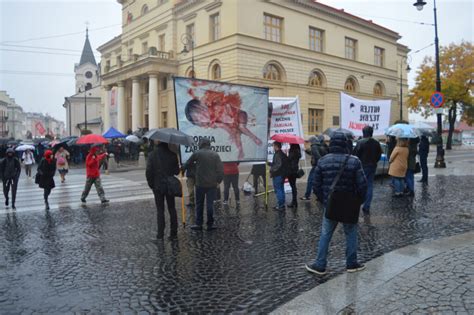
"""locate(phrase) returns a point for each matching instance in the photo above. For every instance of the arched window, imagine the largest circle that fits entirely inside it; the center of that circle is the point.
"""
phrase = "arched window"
(216, 72)
(88, 86)
(316, 79)
(190, 73)
(144, 9)
(272, 72)
(350, 85)
(129, 17)
(378, 89)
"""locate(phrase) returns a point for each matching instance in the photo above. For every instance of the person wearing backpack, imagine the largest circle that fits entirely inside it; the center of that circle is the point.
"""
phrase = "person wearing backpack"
(278, 171)
(28, 160)
(62, 164)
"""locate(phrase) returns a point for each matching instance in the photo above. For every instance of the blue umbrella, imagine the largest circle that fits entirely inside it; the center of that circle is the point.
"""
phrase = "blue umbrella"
(402, 131)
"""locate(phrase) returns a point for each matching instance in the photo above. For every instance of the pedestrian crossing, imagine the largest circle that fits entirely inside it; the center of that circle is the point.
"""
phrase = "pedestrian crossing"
(117, 187)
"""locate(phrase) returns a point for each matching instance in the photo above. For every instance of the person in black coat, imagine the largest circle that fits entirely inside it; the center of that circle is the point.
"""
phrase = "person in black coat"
(278, 172)
(294, 156)
(46, 171)
(10, 169)
(161, 164)
(423, 150)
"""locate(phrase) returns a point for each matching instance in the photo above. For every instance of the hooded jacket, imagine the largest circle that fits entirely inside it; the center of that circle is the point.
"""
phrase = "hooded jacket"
(93, 163)
(10, 167)
(317, 150)
(353, 178)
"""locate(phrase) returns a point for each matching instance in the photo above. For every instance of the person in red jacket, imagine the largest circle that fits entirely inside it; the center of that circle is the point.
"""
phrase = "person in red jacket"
(231, 177)
(93, 174)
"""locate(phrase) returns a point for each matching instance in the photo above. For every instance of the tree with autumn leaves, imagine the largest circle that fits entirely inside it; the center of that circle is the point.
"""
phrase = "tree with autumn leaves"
(457, 82)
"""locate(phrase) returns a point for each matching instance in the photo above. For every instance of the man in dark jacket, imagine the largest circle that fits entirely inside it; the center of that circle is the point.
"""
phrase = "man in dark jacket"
(317, 150)
(278, 171)
(369, 151)
(10, 169)
(410, 174)
(352, 180)
(209, 173)
(423, 150)
(161, 164)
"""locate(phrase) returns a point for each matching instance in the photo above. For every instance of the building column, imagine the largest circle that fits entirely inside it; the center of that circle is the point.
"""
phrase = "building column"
(153, 119)
(137, 112)
(106, 111)
(121, 110)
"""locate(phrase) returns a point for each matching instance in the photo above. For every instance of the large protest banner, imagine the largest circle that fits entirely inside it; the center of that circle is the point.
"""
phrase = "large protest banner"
(356, 114)
(113, 101)
(285, 118)
(233, 117)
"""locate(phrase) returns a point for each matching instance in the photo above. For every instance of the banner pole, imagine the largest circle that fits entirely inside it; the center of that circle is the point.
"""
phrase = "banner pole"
(183, 208)
(266, 184)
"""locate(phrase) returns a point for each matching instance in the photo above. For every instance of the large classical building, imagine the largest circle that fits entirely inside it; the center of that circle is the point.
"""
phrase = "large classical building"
(295, 47)
(83, 109)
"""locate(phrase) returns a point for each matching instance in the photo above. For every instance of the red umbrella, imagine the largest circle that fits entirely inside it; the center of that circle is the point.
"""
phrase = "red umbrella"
(92, 139)
(287, 138)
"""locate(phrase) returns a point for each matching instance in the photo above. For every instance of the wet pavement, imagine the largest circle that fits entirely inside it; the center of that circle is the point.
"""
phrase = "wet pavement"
(98, 259)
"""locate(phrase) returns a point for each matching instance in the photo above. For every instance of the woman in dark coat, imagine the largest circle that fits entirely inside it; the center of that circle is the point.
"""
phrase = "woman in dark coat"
(294, 156)
(46, 170)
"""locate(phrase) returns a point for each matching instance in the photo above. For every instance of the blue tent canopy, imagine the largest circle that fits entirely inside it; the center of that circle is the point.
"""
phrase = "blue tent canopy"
(113, 133)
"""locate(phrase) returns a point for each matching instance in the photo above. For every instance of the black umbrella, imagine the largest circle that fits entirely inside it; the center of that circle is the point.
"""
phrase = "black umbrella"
(331, 131)
(169, 135)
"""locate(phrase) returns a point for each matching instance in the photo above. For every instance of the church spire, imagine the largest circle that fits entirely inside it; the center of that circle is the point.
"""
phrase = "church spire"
(87, 53)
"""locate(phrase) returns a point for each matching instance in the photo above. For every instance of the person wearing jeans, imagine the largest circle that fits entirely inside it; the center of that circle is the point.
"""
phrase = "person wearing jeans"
(369, 151)
(398, 166)
(411, 166)
(278, 170)
(209, 174)
(231, 177)
(352, 179)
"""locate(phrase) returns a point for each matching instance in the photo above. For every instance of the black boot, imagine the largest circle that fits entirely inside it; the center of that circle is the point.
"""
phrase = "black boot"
(6, 201)
(46, 204)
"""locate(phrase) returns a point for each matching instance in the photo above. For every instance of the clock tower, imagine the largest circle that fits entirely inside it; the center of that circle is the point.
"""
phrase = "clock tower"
(87, 71)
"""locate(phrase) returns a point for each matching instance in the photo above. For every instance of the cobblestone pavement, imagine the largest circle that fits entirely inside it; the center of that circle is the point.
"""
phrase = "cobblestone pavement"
(440, 285)
(102, 259)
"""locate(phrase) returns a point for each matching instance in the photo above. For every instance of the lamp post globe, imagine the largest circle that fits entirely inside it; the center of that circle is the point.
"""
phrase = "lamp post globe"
(419, 4)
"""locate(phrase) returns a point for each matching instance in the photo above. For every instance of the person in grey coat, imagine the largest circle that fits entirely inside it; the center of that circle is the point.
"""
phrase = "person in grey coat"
(209, 174)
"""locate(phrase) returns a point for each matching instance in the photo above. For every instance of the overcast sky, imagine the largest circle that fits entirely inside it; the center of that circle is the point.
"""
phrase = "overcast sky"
(39, 78)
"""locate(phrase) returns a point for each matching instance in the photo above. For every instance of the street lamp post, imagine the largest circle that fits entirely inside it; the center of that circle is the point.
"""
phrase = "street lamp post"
(188, 40)
(401, 87)
(440, 163)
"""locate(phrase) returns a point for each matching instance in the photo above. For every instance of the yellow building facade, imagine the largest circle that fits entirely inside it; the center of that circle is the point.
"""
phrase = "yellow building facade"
(295, 47)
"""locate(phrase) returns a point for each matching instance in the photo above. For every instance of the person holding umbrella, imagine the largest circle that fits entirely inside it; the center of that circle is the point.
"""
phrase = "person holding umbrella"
(62, 165)
(46, 171)
(93, 160)
(28, 160)
(10, 169)
(161, 164)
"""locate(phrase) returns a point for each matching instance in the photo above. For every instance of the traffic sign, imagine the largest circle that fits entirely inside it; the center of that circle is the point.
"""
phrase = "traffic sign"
(437, 99)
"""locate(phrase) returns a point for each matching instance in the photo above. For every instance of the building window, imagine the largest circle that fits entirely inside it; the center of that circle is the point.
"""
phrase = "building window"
(161, 43)
(316, 39)
(144, 9)
(190, 73)
(379, 56)
(316, 79)
(164, 83)
(190, 31)
(129, 17)
(272, 72)
(351, 46)
(350, 85)
(130, 54)
(315, 122)
(335, 120)
(216, 72)
(215, 29)
(164, 119)
(273, 27)
(119, 61)
(378, 89)
(88, 86)
(144, 48)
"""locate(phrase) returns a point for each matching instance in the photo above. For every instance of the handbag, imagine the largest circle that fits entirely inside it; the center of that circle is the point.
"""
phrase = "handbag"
(343, 206)
(417, 168)
(173, 186)
(300, 173)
